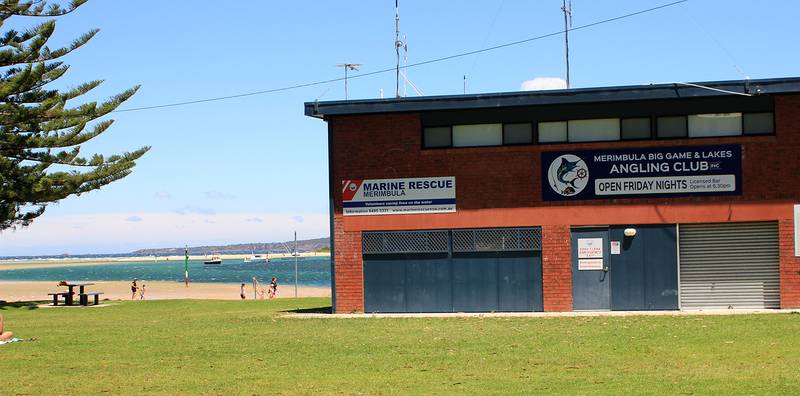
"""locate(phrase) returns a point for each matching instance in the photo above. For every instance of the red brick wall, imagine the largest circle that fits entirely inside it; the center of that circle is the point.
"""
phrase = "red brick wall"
(790, 266)
(556, 268)
(349, 272)
(501, 186)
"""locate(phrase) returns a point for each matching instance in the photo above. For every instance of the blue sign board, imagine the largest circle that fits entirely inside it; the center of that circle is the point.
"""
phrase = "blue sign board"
(642, 172)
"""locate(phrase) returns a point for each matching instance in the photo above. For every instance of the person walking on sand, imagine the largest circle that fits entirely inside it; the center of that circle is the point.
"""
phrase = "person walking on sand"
(241, 292)
(134, 289)
(273, 287)
(141, 291)
(4, 335)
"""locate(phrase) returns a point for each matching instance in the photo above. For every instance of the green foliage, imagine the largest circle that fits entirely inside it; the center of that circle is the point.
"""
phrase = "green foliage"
(249, 347)
(38, 130)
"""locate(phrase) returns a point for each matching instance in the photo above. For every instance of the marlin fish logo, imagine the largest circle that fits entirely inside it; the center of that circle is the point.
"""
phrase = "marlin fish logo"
(564, 169)
(568, 174)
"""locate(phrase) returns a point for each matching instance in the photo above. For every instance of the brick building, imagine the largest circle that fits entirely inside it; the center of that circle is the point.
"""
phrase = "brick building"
(673, 196)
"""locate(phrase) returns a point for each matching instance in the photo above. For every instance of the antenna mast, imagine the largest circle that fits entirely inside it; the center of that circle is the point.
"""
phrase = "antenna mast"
(346, 66)
(566, 8)
(398, 43)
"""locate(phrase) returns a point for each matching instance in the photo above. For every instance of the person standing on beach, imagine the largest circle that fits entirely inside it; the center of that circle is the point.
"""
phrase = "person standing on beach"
(4, 335)
(134, 288)
(241, 292)
(141, 291)
(273, 287)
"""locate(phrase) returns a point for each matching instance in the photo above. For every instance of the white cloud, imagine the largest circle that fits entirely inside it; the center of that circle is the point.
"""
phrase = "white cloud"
(133, 218)
(543, 83)
(218, 195)
(298, 219)
(113, 233)
(194, 210)
(162, 195)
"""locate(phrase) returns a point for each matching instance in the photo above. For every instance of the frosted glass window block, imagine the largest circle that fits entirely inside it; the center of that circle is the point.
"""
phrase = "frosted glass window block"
(718, 124)
(437, 137)
(477, 135)
(597, 130)
(759, 124)
(672, 126)
(550, 132)
(635, 128)
(517, 134)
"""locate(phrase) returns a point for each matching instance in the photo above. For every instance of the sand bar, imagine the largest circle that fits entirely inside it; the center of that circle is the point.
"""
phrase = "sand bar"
(156, 290)
(81, 262)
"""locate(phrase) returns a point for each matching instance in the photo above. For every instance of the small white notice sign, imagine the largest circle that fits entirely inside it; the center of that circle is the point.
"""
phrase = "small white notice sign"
(590, 248)
(590, 264)
(614, 247)
(797, 230)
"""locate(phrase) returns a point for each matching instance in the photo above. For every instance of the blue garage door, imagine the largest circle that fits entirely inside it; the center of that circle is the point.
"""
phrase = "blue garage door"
(476, 270)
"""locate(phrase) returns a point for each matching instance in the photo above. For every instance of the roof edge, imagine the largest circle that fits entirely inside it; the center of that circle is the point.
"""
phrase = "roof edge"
(671, 90)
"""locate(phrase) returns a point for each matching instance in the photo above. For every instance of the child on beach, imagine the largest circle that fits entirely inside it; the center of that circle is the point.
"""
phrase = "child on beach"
(273, 287)
(241, 292)
(141, 291)
(4, 335)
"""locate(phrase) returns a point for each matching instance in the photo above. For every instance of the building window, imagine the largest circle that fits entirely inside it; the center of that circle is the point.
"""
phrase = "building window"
(517, 134)
(597, 130)
(719, 124)
(437, 137)
(552, 132)
(635, 128)
(758, 124)
(671, 127)
(477, 135)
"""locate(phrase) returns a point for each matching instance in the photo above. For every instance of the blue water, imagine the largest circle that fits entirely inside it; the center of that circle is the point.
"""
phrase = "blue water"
(312, 271)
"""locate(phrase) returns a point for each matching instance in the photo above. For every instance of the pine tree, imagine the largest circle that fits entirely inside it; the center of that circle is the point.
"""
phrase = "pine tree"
(40, 136)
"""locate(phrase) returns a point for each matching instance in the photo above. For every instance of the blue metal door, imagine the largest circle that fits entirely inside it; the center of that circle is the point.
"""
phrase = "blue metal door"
(644, 275)
(590, 282)
(478, 270)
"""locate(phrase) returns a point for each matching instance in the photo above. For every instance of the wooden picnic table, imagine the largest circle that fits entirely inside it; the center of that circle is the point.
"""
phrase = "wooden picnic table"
(71, 285)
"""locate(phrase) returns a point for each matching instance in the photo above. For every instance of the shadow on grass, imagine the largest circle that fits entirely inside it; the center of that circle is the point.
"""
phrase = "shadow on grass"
(21, 304)
(321, 310)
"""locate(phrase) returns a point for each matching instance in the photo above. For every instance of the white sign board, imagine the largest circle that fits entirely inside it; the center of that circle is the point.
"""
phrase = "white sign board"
(615, 248)
(399, 196)
(590, 264)
(589, 248)
(797, 230)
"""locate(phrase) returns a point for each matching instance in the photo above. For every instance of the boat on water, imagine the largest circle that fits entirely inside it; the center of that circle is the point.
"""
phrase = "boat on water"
(215, 260)
(257, 259)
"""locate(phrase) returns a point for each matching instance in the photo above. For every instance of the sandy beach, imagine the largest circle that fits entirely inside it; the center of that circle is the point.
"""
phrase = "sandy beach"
(79, 262)
(119, 290)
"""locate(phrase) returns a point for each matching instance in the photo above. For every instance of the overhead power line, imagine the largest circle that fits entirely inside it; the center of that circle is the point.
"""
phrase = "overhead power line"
(391, 69)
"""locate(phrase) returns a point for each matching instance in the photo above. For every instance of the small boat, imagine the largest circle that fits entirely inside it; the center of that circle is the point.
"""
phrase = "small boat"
(257, 259)
(215, 260)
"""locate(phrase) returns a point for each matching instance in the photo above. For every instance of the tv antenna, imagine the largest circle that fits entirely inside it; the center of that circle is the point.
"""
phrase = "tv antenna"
(398, 43)
(346, 67)
(566, 8)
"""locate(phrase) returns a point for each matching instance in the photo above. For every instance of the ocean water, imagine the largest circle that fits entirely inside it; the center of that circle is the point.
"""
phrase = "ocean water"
(312, 271)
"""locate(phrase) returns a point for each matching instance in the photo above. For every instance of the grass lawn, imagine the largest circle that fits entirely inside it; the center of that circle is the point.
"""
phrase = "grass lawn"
(235, 347)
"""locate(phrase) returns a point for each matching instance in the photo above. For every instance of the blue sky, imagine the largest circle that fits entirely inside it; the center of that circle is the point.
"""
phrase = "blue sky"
(254, 168)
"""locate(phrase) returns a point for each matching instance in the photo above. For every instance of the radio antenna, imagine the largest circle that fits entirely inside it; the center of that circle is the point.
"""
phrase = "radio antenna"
(566, 8)
(398, 43)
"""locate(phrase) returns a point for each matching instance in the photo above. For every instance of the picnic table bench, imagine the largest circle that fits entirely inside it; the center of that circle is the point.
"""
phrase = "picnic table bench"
(56, 295)
(84, 298)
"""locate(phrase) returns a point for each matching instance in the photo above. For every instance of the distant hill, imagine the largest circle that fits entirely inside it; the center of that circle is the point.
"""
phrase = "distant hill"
(306, 245)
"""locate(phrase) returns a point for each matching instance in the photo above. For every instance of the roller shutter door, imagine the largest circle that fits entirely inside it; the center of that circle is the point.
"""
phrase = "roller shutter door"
(729, 265)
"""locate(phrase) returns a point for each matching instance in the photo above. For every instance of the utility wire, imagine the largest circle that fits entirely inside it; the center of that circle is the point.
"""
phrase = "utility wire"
(391, 69)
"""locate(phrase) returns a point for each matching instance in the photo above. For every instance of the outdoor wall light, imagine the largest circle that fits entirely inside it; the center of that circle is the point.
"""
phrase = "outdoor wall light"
(629, 232)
